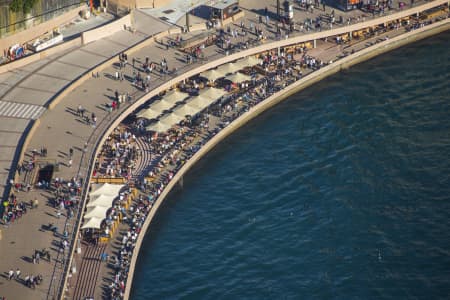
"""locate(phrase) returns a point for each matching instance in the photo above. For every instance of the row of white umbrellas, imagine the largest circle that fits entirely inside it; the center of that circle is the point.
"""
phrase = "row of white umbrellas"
(197, 103)
(101, 200)
(230, 68)
(193, 106)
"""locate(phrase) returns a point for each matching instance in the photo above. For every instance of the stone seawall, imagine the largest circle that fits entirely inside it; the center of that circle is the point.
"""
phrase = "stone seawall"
(316, 76)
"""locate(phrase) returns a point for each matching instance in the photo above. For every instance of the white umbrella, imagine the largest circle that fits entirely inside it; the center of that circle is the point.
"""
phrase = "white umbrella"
(212, 75)
(200, 102)
(106, 189)
(229, 68)
(175, 96)
(161, 105)
(171, 119)
(92, 223)
(158, 127)
(185, 110)
(102, 200)
(96, 212)
(212, 93)
(238, 77)
(148, 113)
(248, 61)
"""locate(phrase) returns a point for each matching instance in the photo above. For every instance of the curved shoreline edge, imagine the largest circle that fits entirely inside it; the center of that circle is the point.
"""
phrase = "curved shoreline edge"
(276, 98)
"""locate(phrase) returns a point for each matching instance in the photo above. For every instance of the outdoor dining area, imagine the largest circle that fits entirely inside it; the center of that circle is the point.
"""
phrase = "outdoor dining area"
(117, 157)
(194, 96)
(105, 210)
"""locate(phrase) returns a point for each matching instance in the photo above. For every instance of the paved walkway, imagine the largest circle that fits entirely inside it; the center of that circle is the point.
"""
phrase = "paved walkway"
(59, 130)
(26, 92)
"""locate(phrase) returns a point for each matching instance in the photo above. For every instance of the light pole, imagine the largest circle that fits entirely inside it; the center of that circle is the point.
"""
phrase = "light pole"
(278, 10)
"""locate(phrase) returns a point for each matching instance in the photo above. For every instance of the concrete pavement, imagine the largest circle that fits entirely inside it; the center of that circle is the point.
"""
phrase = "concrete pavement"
(26, 92)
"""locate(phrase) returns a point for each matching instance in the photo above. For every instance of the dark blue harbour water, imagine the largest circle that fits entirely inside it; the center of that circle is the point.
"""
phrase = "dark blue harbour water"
(341, 192)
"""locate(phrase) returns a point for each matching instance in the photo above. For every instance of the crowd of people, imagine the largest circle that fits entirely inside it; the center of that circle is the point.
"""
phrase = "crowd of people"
(118, 155)
(121, 262)
(13, 209)
(172, 149)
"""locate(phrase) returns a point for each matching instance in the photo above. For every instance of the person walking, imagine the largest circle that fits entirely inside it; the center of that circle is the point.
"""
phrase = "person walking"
(10, 274)
(18, 274)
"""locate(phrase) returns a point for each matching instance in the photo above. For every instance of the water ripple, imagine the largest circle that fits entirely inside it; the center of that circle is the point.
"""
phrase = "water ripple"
(341, 192)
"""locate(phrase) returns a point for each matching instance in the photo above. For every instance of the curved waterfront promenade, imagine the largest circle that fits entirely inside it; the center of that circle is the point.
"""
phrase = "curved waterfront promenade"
(273, 100)
(108, 125)
(265, 105)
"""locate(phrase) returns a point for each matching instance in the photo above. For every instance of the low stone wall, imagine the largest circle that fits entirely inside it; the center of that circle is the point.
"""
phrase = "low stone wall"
(106, 30)
(39, 55)
(64, 46)
(316, 76)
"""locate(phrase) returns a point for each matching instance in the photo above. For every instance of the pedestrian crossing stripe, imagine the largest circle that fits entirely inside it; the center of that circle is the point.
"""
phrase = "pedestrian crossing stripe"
(20, 110)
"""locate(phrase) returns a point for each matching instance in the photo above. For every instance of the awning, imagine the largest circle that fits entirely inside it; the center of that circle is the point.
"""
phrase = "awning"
(212, 75)
(165, 123)
(159, 106)
(238, 77)
(148, 113)
(92, 223)
(158, 127)
(162, 105)
(106, 189)
(248, 61)
(175, 96)
(96, 212)
(200, 102)
(212, 93)
(101, 200)
(229, 68)
(171, 119)
(185, 110)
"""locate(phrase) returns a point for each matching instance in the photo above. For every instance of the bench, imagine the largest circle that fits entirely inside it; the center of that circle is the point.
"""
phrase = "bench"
(111, 180)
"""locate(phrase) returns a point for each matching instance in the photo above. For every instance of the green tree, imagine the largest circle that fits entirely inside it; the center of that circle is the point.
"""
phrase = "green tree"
(22, 5)
(16, 5)
(28, 5)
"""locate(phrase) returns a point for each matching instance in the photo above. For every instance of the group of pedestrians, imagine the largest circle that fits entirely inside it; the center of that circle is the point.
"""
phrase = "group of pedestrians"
(135, 219)
(118, 155)
(30, 280)
(13, 209)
